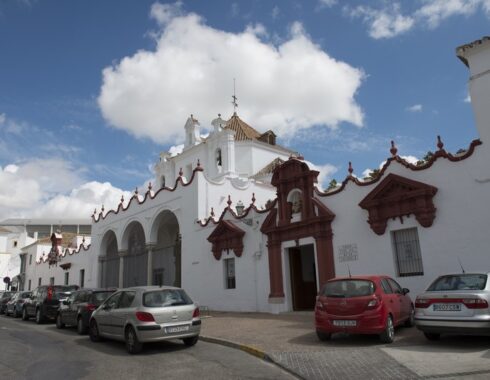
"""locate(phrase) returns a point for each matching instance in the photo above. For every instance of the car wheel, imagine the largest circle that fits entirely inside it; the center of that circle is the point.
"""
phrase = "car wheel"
(25, 316)
(39, 317)
(388, 335)
(189, 342)
(133, 345)
(411, 319)
(432, 336)
(94, 332)
(323, 336)
(81, 328)
(59, 322)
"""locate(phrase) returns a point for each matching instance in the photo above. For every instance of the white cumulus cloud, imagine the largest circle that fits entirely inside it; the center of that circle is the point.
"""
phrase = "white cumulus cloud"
(285, 87)
(415, 108)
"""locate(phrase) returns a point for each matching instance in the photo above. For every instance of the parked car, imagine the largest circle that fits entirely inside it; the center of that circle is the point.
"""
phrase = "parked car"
(362, 305)
(3, 301)
(146, 314)
(44, 302)
(454, 304)
(77, 309)
(14, 306)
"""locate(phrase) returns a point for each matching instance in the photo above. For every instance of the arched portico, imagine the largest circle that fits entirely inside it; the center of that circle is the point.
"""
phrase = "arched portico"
(165, 263)
(109, 260)
(134, 256)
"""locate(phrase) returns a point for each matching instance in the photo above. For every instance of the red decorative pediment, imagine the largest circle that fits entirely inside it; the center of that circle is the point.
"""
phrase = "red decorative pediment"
(396, 197)
(226, 236)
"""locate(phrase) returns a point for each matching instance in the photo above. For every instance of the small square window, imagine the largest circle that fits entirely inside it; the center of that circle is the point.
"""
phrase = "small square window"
(230, 282)
(406, 247)
(15, 243)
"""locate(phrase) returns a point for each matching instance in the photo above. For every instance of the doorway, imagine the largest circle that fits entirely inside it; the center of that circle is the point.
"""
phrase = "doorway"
(303, 277)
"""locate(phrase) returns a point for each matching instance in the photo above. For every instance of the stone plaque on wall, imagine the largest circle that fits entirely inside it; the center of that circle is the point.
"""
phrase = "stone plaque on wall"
(348, 252)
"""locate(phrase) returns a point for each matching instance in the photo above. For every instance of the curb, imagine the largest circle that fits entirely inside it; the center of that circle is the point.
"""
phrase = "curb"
(249, 350)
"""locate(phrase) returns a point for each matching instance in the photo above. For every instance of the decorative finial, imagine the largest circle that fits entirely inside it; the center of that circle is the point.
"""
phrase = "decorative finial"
(219, 115)
(253, 198)
(300, 157)
(181, 173)
(149, 186)
(83, 239)
(440, 144)
(235, 99)
(122, 199)
(198, 163)
(229, 201)
(95, 211)
(393, 149)
(212, 212)
(136, 191)
(102, 209)
(351, 170)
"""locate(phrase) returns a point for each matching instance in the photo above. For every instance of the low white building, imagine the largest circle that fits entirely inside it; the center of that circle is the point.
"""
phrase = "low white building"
(239, 222)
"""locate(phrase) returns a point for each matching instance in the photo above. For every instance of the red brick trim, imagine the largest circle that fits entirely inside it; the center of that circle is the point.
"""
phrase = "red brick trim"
(396, 197)
(226, 236)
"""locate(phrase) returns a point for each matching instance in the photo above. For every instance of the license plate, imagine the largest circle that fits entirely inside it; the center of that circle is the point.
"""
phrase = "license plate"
(176, 329)
(344, 323)
(447, 307)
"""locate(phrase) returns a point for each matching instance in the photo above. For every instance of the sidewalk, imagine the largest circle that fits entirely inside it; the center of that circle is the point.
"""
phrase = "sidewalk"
(289, 340)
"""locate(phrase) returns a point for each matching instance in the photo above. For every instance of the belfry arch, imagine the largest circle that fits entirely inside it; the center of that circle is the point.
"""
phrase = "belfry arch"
(166, 260)
(109, 260)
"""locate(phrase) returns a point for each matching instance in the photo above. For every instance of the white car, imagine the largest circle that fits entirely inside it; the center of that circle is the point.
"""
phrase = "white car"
(146, 314)
(455, 304)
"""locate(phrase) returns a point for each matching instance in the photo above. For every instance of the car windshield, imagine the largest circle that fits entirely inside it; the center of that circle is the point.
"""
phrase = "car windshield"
(459, 282)
(348, 288)
(166, 297)
(99, 297)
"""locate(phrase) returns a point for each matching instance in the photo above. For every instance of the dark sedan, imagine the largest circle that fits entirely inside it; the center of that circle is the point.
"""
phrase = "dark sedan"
(3, 301)
(14, 306)
(77, 309)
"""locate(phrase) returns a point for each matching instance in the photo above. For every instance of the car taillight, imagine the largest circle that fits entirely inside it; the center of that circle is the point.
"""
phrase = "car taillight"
(91, 307)
(196, 313)
(144, 317)
(475, 303)
(422, 303)
(373, 303)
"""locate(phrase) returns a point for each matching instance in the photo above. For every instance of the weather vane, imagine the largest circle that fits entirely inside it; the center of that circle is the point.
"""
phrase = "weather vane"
(234, 102)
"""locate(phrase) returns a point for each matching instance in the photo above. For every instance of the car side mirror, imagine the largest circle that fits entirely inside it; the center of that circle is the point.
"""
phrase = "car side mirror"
(405, 291)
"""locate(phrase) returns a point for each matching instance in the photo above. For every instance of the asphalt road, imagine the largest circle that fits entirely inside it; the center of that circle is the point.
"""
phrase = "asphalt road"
(30, 351)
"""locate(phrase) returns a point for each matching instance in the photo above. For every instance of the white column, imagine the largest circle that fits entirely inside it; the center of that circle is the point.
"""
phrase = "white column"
(149, 271)
(121, 268)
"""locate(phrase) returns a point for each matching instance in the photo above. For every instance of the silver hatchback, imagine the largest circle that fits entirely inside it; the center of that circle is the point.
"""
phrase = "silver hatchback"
(454, 304)
(146, 314)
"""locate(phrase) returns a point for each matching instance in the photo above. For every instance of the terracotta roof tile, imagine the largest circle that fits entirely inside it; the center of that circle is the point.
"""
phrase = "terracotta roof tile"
(243, 131)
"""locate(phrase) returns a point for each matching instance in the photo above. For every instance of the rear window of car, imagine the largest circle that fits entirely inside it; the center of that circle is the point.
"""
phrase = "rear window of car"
(348, 288)
(99, 297)
(459, 282)
(166, 297)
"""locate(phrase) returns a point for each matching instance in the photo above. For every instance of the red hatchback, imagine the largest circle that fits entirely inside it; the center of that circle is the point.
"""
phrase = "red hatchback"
(362, 305)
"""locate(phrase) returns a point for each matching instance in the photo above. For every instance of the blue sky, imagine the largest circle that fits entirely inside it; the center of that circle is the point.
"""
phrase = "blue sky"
(336, 80)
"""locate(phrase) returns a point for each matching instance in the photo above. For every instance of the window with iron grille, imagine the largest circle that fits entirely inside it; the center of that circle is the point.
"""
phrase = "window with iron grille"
(82, 278)
(39, 281)
(407, 253)
(67, 278)
(229, 273)
(29, 285)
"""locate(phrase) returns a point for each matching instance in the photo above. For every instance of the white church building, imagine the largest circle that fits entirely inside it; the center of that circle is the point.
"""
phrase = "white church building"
(239, 222)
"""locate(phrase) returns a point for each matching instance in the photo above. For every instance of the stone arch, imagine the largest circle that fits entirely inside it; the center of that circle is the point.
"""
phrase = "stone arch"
(166, 262)
(109, 255)
(135, 255)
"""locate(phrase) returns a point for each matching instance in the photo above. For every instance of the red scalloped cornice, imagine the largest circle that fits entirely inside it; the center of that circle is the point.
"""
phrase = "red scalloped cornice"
(396, 197)
(441, 153)
(148, 194)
